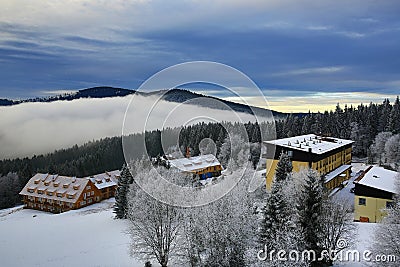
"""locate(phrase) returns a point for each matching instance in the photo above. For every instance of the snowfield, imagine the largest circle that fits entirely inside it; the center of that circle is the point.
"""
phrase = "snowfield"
(84, 237)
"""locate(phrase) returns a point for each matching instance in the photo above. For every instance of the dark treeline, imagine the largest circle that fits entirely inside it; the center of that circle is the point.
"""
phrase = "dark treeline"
(360, 124)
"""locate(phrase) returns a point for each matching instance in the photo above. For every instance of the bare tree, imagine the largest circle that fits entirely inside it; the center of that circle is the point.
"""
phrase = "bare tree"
(154, 226)
(221, 233)
(337, 224)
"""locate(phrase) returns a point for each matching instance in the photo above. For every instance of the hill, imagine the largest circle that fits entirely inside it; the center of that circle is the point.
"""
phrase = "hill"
(94, 92)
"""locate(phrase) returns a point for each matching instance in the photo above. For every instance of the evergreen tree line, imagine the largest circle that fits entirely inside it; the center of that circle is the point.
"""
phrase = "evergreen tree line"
(360, 124)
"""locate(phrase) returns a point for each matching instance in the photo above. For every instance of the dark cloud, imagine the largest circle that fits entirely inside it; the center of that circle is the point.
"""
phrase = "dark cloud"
(310, 46)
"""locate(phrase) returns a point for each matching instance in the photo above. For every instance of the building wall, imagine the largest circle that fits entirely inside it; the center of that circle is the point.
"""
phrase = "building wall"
(88, 196)
(338, 180)
(323, 164)
(373, 208)
(331, 162)
(214, 170)
(271, 166)
(209, 169)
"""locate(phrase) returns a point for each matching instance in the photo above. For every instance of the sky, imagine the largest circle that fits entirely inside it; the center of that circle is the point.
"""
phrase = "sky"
(304, 55)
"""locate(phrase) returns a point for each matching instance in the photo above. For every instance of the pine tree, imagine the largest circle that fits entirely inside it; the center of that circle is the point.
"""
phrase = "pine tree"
(275, 217)
(309, 209)
(394, 119)
(121, 203)
(283, 168)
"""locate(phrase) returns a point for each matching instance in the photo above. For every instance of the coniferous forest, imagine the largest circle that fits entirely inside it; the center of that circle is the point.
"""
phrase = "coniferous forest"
(361, 124)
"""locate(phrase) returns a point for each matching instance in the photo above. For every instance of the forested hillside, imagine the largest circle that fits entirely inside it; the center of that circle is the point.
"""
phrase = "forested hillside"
(361, 124)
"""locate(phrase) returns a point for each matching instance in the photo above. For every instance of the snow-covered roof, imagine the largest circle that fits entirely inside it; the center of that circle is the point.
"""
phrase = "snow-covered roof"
(41, 185)
(311, 143)
(336, 172)
(106, 179)
(195, 163)
(380, 178)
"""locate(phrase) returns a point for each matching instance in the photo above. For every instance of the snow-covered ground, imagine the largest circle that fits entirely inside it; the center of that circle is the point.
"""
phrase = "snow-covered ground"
(91, 237)
(84, 237)
(364, 238)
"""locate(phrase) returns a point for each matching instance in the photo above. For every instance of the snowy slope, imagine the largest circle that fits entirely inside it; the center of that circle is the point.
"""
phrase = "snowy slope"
(85, 237)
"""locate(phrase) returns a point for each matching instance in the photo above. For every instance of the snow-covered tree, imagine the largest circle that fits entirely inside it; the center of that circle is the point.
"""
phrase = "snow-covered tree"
(392, 149)
(234, 152)
(276, 218)
(378, 147)
(309, 206)
(8, 185)
(121, 203)
(154, 227)
(221, 233)
(394, 120)
(336, 223)
(283, 168)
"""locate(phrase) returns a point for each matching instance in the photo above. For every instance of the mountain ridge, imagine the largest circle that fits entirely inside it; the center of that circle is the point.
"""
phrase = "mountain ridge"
(172, 95)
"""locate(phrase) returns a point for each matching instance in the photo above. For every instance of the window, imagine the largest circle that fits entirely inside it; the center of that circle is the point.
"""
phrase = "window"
(50, 193)
(88, 187)
(40, 192)
(290, 154)
(362, 201)
(92, 193)
(59, 194)
(30, 190)
(83, 203)
(389, 204)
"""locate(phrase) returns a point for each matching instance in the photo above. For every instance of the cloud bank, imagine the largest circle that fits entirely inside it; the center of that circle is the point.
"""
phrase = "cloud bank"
(36, 128)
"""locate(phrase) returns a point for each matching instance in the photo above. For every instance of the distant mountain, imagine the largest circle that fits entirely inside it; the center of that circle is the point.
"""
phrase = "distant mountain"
(174, 95)
(94, 92)
(6, 102)
(181, 95)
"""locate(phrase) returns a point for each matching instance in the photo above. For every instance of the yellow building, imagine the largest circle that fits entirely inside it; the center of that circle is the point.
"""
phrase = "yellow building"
(331, 157)
(374, 192)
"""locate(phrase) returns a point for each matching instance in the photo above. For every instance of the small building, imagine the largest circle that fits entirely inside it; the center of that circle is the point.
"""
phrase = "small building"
(55, 193)
(330, 157)
(106, 183)
(205, 166)
(374, 192)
